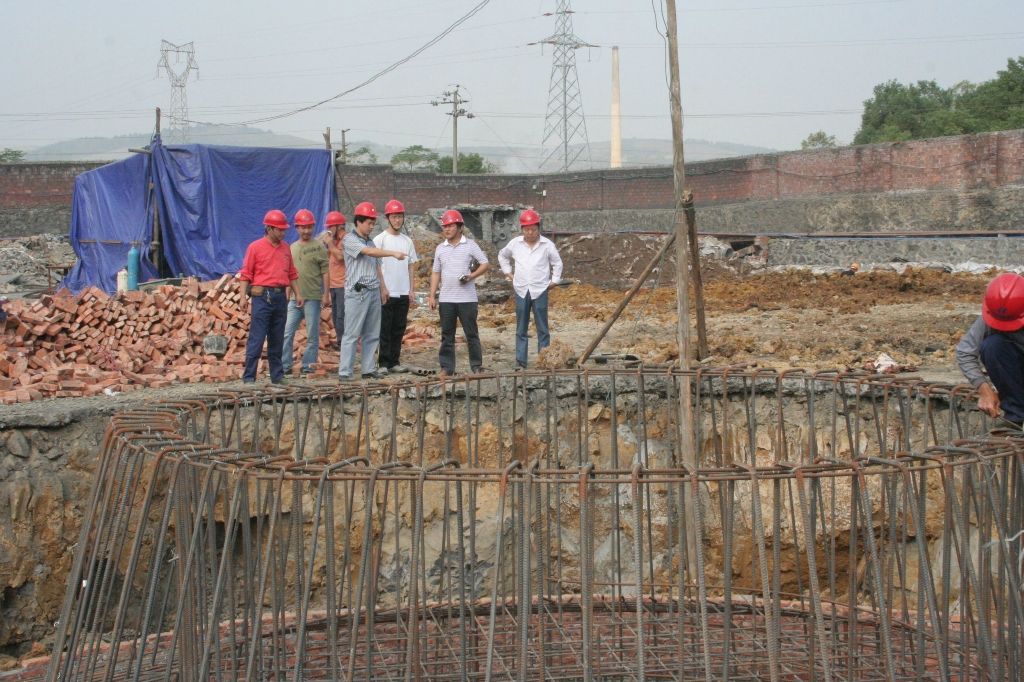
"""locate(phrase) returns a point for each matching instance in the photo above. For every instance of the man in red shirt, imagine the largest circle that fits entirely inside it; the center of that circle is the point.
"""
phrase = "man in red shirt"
(268, 273)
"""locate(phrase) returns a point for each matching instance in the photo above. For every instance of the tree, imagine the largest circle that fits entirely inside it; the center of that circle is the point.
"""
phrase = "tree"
(470, 164)
(819, 140)
(363, 155)
(900, 112)
(415, 158)
(9, 155)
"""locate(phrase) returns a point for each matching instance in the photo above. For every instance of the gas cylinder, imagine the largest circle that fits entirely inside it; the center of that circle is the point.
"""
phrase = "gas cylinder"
(133, 267)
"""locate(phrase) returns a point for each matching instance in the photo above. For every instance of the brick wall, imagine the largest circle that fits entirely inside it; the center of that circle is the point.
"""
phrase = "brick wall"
(36, 197)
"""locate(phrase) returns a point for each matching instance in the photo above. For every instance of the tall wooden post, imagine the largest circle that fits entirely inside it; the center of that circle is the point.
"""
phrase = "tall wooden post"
(687, 441)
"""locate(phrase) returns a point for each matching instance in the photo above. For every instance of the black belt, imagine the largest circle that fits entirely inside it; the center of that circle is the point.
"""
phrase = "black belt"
(274, 288)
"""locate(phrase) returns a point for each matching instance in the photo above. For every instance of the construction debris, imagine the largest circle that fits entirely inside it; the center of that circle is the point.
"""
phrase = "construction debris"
(65, 345)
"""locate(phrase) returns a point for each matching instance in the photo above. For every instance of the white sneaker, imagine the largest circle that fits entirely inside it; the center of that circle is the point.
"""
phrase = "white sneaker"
(398, 369)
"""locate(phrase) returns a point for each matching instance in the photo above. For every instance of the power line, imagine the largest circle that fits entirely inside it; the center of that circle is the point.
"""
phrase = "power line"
(430, 43)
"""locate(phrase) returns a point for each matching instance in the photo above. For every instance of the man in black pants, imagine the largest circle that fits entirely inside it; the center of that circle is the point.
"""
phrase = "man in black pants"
(458, 262)
(995, 344)
(399, 280)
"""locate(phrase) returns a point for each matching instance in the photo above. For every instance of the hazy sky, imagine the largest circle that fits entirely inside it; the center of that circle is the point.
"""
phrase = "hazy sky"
(759, 72)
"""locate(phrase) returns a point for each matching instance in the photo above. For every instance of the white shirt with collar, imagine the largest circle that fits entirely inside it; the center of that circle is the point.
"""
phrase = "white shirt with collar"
(536, 266)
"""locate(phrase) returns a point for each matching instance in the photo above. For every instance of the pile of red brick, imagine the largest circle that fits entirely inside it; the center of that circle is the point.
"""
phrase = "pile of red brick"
(65, 345)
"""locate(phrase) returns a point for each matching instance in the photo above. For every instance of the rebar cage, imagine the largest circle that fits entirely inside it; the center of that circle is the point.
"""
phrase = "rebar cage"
(549, 525)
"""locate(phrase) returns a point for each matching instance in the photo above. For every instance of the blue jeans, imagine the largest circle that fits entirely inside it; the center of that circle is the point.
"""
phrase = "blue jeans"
(540, 320)
(266, 325)
(362, 321)
(1004, 362)
(310, 311)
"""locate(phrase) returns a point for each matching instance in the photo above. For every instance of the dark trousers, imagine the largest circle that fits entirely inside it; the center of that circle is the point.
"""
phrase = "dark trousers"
(268, 316)
(1004, 362)
(394, 317)
(338, 313)
(465, 313)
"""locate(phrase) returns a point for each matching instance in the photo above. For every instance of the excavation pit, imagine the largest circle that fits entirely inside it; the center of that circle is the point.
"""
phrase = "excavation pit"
(825, 526)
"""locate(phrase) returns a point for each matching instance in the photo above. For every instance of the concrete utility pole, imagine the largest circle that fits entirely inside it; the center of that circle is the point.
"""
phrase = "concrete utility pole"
(452, 97)
(344, 146)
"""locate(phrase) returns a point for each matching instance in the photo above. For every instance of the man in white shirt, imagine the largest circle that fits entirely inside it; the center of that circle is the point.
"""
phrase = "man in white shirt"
(399, 280)
(538, 267)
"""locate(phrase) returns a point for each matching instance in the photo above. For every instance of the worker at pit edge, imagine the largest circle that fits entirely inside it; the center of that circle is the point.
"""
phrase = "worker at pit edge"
(994, 344)
(268, 273)
(400, 282)
(537, 269)
(311, 262)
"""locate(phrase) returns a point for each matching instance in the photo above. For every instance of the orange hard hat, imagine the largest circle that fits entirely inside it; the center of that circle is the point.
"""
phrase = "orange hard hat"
(304, 217)
(335, 218)
(450, 217)
(365, 210)
(393, 206)
(276, 218)
(529, 217)
(1003, 308)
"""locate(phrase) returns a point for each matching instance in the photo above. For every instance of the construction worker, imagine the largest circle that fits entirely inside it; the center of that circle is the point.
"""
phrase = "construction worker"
(995, 344)
(399, 280)
(453, 278)
(364, 294)
(537, 267)
(332, 239)
(268, 273)
(311, 262)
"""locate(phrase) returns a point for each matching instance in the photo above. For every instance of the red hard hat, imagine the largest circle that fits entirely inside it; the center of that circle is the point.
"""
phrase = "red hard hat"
(365, 210)
(450, 217)
(276, 218)
(334, 218)
(304, 217)
(393, 206)
(1003, 309)
(529, 217)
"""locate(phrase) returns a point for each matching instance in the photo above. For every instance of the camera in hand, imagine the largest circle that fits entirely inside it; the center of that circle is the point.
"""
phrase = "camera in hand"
(473, 265)
(359, 287)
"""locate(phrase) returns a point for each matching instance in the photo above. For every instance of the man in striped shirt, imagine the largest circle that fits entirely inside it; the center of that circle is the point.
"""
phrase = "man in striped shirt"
(453, 277)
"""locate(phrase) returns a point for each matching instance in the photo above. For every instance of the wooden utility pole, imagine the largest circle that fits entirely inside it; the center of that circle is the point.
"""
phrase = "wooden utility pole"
(687, 440)
(695, 275)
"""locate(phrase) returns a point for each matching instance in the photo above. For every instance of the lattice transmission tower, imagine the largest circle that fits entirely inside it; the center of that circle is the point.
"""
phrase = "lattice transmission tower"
(177, 131)
(565, 127)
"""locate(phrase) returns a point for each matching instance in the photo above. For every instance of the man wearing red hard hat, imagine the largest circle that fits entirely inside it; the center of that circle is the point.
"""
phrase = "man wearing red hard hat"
(332, 238)
(364, 293)
(995, 345)
(400, 281)
(311, 262)
(268, 273)
(531, 262)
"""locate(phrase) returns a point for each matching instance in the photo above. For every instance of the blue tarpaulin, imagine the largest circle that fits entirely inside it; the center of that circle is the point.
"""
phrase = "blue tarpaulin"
(210, 200)
(110, 210)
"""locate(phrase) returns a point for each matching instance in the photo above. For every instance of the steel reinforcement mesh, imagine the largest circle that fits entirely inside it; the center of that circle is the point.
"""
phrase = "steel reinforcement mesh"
(551, 526)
